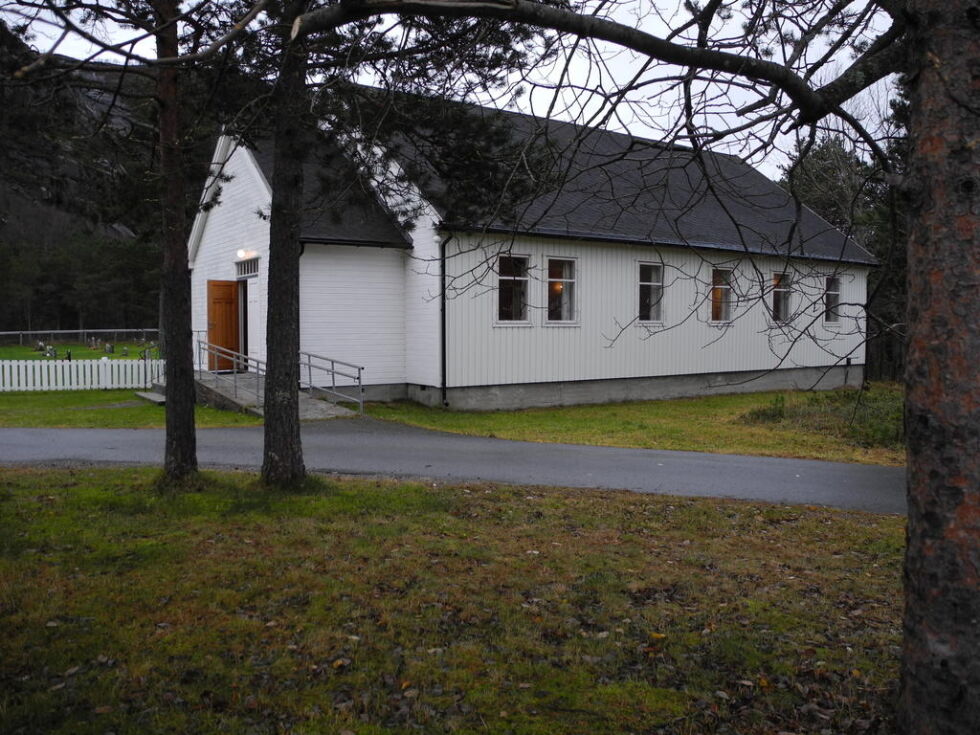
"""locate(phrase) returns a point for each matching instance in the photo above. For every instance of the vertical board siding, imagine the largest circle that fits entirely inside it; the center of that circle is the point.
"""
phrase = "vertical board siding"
(352, 308)
(54, 375)
(606, 340)
(423, 351)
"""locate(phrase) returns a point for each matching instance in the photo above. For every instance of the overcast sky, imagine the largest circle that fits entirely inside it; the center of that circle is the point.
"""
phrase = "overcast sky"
(585, 78)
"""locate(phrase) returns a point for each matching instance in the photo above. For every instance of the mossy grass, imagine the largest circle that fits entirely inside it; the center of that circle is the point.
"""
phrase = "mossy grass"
(375, 606)
(843, 425)
(100, 409)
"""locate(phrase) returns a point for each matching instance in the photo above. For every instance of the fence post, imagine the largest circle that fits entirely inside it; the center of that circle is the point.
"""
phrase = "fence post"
(104, 373)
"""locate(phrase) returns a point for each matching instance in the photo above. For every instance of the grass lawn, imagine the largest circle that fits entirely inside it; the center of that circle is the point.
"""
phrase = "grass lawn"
(374, 607)
(78, 352)
(100, 409)
(842, 425)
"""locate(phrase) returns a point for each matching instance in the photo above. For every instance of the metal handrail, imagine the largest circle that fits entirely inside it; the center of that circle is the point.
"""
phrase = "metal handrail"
(240, 363)
(255, 368)
(306, 361)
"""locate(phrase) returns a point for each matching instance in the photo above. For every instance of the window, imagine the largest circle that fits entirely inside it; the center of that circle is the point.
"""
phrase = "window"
(782, 288)
(512, 289)
(651, 292)
(247, 268)
(561, 290)
(831, 300)
(721, 295)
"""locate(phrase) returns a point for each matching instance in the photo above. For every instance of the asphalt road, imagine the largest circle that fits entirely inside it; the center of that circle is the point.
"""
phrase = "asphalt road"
(367, 446)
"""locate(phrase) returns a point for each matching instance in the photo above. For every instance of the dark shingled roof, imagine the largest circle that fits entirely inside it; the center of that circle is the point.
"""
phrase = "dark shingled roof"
(585, 184)
(339, 209)
(614, 187)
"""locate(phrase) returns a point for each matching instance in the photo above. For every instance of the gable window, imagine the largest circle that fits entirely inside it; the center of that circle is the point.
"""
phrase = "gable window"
(247, 268)
(831, 300)
(561, 290)
(721, 295)
(651, 292)
(782, 288)
(511, 288)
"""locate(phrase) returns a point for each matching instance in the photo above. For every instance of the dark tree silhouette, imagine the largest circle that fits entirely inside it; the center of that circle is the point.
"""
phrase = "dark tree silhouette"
(157, 20)
(282, 463)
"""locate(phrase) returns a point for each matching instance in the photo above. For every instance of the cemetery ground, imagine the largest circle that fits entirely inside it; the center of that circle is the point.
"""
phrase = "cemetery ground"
(370, 606)
(120, 351)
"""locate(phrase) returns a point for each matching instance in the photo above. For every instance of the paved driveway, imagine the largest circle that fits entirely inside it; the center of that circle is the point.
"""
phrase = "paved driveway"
(369, 446)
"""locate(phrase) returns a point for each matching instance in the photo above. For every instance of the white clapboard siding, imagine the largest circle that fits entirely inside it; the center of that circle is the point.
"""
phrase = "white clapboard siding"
(352, 308)
(238, 222)
(40, 375)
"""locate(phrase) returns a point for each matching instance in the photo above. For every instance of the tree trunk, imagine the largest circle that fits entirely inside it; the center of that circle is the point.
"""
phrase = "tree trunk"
(941, 658)
(282, 462)
(180, 449)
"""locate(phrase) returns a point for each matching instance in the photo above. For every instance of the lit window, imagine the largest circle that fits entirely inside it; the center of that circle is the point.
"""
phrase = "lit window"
(782, 288)
(651, 292)
(561, 290)
(512, 289)
(721, 295)
(831, 300)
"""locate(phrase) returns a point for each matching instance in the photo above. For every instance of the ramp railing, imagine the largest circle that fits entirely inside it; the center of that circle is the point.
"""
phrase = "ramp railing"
(343, 381)
(331, 376)
(242, 374)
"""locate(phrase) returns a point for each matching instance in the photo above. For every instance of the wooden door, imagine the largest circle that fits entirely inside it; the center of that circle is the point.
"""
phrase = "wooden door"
(223, 327)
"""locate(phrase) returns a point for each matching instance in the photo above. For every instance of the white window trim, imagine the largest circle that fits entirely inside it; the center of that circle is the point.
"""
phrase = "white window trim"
(240, 266)
(663, 290)
(788, 290)
(574, 321)
(509, 323)
(833, 325)
(731, 297)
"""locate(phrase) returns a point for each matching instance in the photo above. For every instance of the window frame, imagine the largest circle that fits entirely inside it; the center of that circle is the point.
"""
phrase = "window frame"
(827, 291)
(782, 294)
(548, 280)
(639, 291)
(525, 279)
(730, 288)
(246, 268)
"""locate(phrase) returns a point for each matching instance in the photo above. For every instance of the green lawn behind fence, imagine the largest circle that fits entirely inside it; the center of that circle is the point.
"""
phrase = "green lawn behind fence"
(121, 351)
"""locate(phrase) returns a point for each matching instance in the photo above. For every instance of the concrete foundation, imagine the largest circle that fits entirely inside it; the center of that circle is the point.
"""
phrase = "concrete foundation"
(530, 395)
(380, 393)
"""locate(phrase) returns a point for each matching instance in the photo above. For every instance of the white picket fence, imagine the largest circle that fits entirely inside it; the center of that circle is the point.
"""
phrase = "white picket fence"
(16, 375)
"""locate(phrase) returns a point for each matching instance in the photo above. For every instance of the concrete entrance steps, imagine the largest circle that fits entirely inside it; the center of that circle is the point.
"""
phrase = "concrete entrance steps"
(152, 396)
(220, 391)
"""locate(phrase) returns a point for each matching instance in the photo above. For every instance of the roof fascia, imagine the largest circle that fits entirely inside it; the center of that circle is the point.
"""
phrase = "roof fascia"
(449, 227)
(218, 162)
(355, 243)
